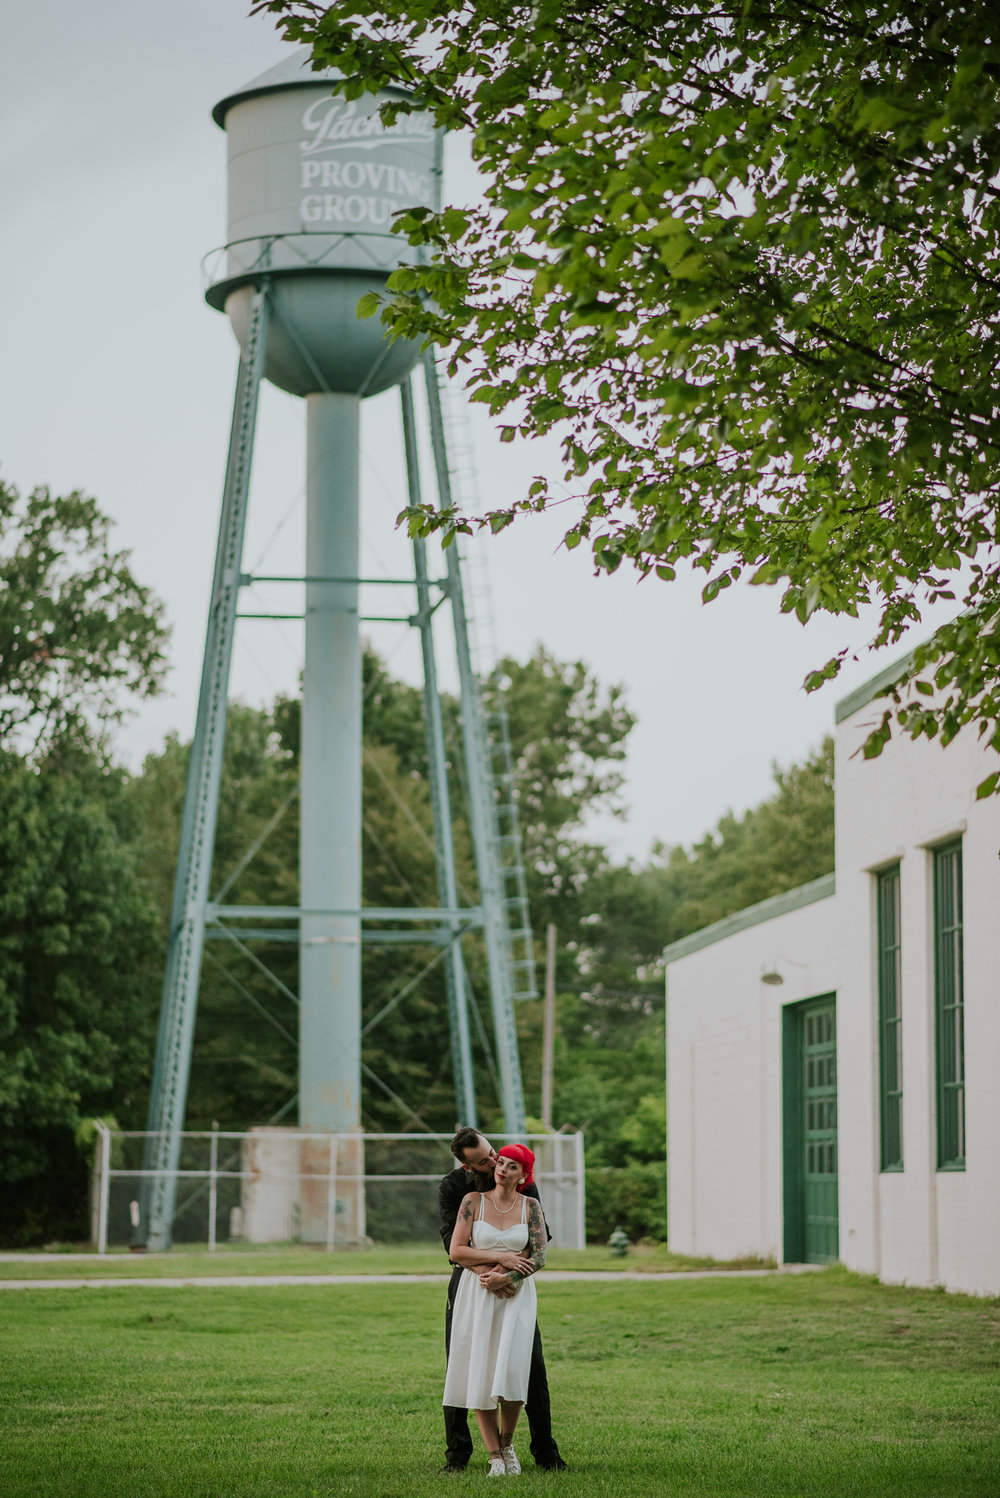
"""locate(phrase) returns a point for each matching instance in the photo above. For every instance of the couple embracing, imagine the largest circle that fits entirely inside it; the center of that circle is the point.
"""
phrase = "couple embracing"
(493, 1227)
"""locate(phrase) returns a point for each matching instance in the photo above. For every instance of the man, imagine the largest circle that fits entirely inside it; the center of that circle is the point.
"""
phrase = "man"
(477, 1158)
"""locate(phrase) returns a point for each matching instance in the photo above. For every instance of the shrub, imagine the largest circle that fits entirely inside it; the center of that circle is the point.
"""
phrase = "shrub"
(633, 1197)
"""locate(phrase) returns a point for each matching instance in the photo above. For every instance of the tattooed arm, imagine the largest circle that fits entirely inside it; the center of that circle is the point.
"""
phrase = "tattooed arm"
(505, 1284)
(459, 1249)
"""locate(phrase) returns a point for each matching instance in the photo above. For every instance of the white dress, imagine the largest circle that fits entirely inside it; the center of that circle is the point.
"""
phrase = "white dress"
(491, 1338)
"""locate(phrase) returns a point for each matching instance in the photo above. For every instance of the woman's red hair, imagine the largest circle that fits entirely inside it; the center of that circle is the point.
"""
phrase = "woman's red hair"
(525, 1158)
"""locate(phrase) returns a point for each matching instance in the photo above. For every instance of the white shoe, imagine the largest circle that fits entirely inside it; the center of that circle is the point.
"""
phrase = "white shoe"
(510, 1462)
(498, 1467)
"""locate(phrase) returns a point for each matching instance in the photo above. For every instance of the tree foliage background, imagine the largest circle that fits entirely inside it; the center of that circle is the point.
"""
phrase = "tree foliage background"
(746, 259)
(78, 953)
(87, 860)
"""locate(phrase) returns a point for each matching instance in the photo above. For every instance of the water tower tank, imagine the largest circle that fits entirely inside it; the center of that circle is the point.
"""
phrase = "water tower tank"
(314, 181)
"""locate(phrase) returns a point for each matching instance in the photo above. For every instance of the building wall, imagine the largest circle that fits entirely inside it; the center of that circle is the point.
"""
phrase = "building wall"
(724, 1176)
(920, 1225)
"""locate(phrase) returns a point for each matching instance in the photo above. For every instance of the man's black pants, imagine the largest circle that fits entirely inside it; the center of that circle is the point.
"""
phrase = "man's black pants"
(536, 1407)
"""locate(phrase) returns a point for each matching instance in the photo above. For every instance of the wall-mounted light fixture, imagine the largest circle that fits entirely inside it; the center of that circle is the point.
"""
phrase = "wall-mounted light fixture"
(771, 974)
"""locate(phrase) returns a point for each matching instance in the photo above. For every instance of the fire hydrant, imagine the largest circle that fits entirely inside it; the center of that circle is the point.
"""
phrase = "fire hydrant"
(618, 1243)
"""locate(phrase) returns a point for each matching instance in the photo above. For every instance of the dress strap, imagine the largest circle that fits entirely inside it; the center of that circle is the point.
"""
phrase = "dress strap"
(524, 1208)
(482, 1206)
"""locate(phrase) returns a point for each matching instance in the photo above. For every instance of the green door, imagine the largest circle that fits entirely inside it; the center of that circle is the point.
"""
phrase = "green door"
(810, 1131)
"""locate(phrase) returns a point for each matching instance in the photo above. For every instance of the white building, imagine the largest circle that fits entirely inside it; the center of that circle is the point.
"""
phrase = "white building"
(833, 1054)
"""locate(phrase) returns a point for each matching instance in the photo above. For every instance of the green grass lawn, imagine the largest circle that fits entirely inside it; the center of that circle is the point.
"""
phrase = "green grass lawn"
(405, 1258)
(824, 1384)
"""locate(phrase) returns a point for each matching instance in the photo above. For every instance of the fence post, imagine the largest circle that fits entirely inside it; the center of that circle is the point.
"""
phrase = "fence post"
(581, 1214)
(563, 1187)
(331, 1196)
(213, 1165)
(102, 1222)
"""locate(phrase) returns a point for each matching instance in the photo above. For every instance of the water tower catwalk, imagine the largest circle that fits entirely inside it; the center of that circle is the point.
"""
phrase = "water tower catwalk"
(313, 183)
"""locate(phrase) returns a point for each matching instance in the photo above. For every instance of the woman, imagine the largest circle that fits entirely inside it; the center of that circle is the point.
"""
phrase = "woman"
(491, 1332)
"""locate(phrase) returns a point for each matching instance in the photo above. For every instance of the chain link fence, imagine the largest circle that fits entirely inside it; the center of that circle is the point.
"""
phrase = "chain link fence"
(273, 1186)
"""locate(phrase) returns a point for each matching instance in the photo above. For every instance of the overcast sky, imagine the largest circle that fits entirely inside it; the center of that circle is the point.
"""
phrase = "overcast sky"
(116, 378)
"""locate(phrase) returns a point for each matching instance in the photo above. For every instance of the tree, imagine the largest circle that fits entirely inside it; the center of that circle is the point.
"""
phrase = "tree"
(633, 913)
(78, 969)
(77, 631)
(78, 957)
(610, 1058)
(244, 1060)
(747, 260)
(568, 739)
(784, 842)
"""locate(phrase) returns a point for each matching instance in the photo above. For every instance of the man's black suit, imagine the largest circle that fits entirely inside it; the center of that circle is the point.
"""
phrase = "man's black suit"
(454, 1188)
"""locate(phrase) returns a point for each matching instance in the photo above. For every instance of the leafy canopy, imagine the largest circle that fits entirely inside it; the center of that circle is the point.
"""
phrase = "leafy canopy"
(77, 965)
(746, 259)
(569, 739)
(78, 633)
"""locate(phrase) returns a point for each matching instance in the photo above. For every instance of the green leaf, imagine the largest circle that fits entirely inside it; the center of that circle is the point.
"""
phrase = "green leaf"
(772, 302)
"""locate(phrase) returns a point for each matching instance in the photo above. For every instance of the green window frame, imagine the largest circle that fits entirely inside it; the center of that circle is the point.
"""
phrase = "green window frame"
(890, 1020)
(949, 1005)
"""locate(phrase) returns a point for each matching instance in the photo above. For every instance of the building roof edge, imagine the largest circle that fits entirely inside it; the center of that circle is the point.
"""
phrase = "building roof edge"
(874, 687)
(754, 915)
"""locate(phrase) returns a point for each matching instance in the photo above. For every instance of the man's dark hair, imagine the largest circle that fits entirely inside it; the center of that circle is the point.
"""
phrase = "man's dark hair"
(466, 1139)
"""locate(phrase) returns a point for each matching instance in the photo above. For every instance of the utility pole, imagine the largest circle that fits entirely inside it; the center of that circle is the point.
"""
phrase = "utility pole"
(549, 1035)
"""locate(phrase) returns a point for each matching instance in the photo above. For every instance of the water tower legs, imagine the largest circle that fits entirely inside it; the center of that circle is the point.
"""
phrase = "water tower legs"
(330, 852)
(456, 983)
(168, 1093)
(330, 838)
(482, 801)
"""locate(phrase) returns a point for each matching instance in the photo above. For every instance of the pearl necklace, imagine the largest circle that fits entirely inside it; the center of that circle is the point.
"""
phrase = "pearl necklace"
(502, 1210)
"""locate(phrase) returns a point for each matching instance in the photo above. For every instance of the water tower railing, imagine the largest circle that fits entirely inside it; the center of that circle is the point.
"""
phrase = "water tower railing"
(308, 249)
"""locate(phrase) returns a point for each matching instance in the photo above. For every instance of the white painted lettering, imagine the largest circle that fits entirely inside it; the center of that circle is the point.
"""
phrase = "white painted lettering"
(332, 122)
(355, 208)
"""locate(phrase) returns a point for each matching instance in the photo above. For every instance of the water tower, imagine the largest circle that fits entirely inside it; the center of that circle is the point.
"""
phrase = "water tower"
(314, 180)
